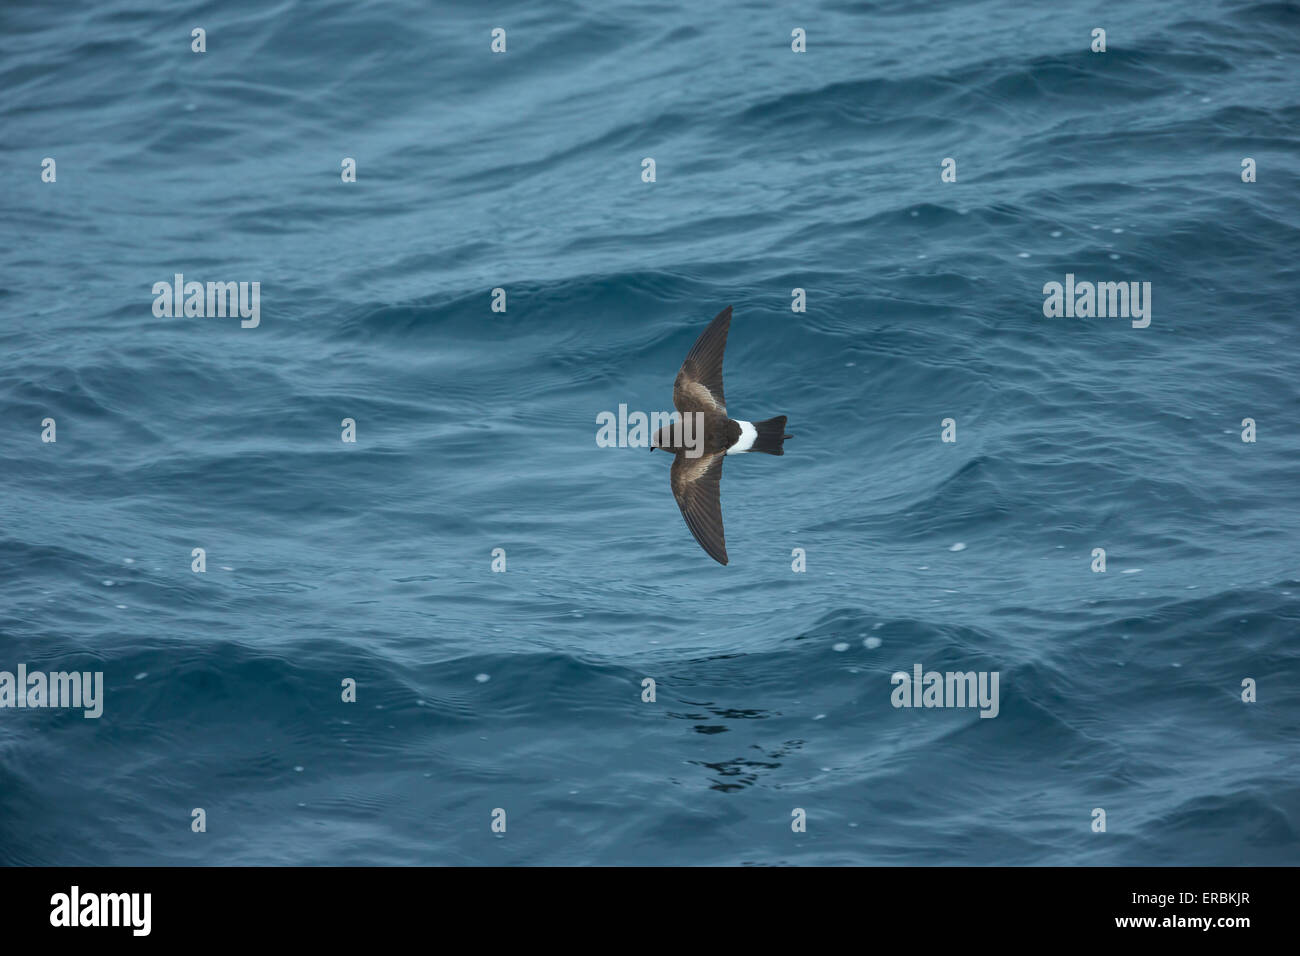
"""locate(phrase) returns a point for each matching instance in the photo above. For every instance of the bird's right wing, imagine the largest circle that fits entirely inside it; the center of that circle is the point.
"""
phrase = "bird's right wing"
(698, 387)
(697, 488)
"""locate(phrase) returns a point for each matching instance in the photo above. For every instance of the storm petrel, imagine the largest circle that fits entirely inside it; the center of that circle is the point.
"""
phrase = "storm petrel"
(697, 461)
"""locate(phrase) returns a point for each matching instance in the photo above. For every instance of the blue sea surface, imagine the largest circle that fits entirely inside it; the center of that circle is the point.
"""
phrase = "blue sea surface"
(476, 430)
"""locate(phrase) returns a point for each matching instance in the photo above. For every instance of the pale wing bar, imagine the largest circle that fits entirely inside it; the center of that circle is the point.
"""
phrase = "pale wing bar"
(699, 383)
(697, 488)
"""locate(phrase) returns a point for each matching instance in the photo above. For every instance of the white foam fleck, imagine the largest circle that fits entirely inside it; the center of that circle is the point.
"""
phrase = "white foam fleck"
(959, 546)
(482, 678)
(872, 643)
(1131, 571)
(841, 646)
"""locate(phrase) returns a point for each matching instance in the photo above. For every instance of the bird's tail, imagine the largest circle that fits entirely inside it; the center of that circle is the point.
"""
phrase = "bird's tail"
(771, 436)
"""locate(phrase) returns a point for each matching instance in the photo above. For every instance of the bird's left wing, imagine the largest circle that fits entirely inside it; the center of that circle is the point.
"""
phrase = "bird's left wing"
(697, 488)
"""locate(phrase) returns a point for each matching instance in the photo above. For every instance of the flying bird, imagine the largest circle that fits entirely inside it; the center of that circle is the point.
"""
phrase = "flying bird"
(697, 457)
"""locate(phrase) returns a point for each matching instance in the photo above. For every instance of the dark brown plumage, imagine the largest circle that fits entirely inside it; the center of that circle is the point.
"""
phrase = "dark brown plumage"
(697, 471)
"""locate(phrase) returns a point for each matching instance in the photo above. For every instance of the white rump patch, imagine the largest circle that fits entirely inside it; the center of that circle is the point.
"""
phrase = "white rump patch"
(746, 440)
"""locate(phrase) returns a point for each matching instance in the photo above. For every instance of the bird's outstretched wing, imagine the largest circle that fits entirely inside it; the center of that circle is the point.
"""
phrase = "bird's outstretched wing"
(699, 383)
(696, 486)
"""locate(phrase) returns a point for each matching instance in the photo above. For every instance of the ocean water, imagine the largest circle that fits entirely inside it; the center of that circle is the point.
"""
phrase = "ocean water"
(476, 430)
